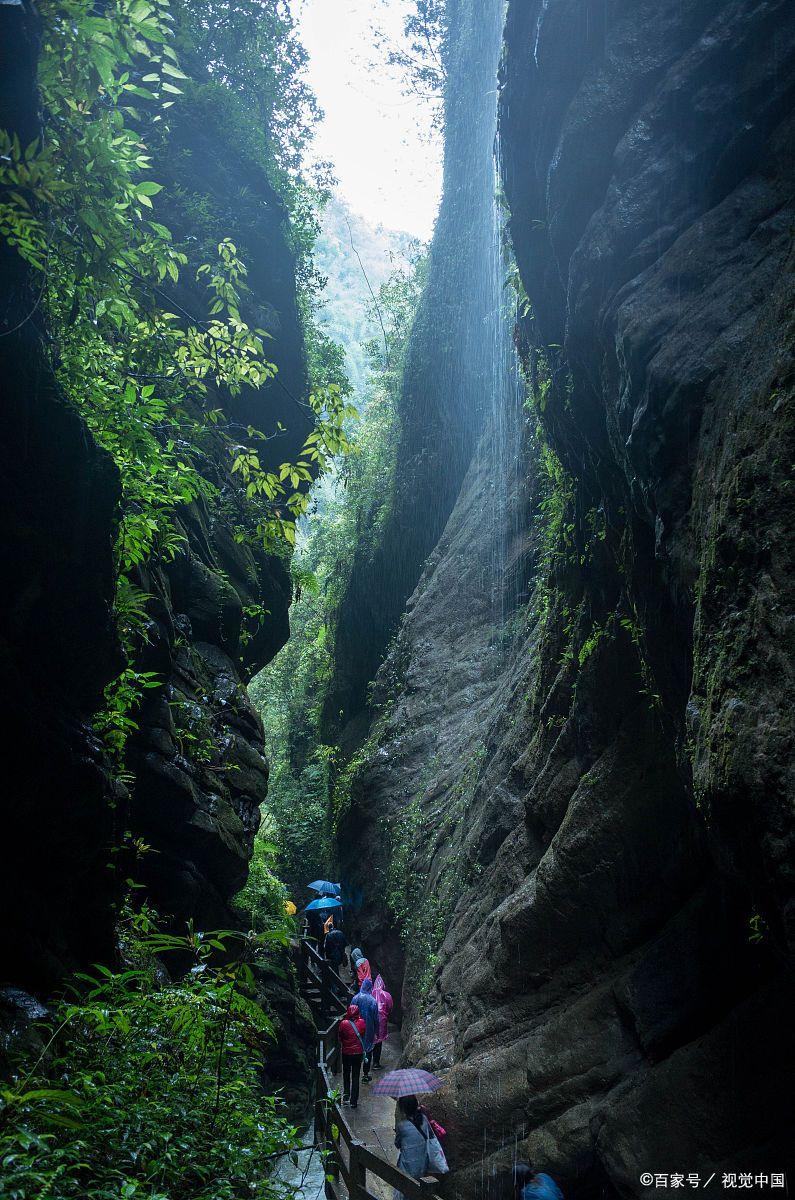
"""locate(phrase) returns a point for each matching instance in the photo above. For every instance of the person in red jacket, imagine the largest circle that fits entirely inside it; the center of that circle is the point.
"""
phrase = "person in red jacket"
(352, 1030)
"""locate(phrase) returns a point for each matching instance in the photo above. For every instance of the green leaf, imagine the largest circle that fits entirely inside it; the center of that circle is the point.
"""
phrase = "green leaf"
(173, 71)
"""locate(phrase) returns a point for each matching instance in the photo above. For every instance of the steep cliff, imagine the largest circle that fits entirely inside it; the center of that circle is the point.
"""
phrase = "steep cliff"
(446, 389)
(195, 770)
(58, 500)
(580, 816)
(220, 610)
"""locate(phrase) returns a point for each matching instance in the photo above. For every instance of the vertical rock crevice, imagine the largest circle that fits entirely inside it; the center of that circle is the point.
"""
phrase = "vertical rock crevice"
(446, 390)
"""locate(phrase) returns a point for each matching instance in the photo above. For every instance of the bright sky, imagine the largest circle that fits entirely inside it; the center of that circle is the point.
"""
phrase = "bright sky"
(376, 138)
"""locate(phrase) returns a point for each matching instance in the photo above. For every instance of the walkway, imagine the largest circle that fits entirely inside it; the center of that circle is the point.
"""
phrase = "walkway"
(373, 1122)
(361, 1141)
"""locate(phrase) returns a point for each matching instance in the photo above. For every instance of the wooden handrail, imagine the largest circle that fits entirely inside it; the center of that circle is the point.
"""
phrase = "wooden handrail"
(312, 951)
(329, 1116)
(315, 971)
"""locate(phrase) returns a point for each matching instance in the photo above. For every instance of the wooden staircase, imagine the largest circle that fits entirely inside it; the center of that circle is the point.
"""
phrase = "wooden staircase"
(353, 1170)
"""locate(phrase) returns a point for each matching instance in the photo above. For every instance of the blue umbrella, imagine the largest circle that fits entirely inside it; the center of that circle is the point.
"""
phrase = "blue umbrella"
(323, 903)
(325, 887)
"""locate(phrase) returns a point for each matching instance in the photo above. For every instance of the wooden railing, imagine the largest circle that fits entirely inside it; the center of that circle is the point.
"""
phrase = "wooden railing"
(327, 993)
(348, 1162)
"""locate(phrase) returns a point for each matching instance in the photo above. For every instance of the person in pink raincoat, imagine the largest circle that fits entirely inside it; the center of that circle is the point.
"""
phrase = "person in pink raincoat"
(384, 1001)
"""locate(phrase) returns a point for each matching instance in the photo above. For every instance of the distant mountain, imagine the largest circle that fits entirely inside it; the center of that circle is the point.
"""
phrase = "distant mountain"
(346, 310)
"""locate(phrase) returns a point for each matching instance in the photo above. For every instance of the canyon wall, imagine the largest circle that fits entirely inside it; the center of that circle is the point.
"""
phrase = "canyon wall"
(445, 388)
(58, 506)
(196, 770)
(220, 610)
(578, 808)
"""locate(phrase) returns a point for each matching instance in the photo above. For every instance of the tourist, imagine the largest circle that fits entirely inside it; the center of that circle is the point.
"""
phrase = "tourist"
(367, 1004)
(361, 966)
(384, 1002)
(530, 1184)
(351, 1033)
(314, 922)
(412, 1133)
(334, 948)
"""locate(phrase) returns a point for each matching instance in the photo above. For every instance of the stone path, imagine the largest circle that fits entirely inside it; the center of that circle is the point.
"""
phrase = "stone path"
(373, 1122)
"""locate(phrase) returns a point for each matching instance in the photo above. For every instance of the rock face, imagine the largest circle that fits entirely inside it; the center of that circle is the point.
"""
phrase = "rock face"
(220, 610)
(446, 388)
(595, 794)
(198, 760)
(58, 500)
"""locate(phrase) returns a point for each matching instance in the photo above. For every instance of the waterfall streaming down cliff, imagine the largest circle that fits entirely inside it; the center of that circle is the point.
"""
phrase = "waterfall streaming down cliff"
(500, 446)
(482, 382)
(477, 378)
(488, 391)
(459, 384)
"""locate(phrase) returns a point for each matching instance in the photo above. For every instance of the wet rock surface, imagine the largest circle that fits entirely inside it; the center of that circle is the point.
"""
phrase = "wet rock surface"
(58, 499)
(215, 614)
(446, 387)
(220, 609)
(598, 788)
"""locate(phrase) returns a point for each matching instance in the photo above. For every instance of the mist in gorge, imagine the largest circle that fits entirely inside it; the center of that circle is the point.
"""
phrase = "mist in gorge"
(396, 635)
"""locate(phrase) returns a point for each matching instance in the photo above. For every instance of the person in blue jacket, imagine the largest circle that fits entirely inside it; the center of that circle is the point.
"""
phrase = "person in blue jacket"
(530, 1184)
(367, 1005)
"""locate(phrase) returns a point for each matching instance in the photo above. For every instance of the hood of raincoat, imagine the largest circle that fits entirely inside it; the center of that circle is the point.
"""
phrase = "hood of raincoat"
(382, 995)
(353, 1012)
(367, 986)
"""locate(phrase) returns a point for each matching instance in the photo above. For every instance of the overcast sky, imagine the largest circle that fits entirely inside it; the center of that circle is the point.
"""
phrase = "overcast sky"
(376, 138)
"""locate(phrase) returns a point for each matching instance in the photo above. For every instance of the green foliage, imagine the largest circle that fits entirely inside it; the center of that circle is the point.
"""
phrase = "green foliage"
(758, 928)
(524, 308)
(149, 1089)
(421, 55)
(353, 258)
(555, 521)
(114, 723)
(421, 913)
(634, 627)
(283, 505)
(79, 206)
(590, 644)
(251, 49)
(262, 900)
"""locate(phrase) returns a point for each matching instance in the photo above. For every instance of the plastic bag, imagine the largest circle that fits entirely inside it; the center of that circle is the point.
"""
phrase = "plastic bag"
(437, 1163)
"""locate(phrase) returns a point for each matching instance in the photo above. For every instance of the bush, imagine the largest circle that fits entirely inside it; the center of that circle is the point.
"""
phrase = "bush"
(262, 900)
(146, 1088)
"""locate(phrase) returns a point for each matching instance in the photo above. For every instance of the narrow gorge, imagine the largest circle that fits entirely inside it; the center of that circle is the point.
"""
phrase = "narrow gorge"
(510, 655)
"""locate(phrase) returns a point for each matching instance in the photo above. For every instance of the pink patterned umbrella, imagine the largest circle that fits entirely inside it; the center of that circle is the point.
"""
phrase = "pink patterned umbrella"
(407, 1081)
